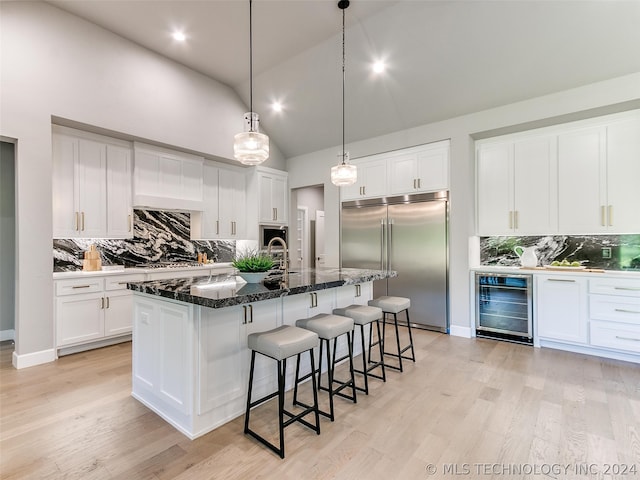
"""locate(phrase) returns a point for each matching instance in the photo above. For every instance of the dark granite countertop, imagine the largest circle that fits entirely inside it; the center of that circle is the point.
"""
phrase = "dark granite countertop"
(219, 291)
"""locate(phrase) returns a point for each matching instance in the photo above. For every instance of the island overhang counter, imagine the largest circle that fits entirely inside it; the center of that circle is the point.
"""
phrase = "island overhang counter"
(190, 356)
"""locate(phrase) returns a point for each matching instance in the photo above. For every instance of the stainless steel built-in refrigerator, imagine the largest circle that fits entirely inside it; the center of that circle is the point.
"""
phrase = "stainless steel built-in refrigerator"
(407, 234)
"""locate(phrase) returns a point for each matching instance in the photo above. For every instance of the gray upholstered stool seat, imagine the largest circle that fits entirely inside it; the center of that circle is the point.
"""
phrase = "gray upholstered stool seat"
(280, 344)
(329, 327)
(393, 306)
(365, 315)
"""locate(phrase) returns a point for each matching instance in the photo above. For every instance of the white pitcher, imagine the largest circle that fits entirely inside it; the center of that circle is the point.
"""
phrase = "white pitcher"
(527, 255)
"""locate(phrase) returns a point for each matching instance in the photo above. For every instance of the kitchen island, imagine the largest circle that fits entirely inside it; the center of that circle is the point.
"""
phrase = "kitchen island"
(190, 356)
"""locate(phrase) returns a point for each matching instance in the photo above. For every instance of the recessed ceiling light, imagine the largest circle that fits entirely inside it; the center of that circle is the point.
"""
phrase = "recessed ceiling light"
(276, 106)
(379, 67)
(179, 36)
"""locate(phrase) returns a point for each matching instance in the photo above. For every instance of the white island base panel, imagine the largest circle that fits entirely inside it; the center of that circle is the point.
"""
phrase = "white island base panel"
(191, 363)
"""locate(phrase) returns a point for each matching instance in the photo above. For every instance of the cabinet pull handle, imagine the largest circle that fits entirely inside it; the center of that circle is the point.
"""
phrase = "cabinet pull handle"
(630, 289)
(610, 215)
(107, 302)
(122, 283)
(559, 280)
(81, 286)
(314, 300)
(274, 213)
(130, 221)
(82, 216)
(364, 190)
(250, 313)
(510, 219)
(244, 320)
(625, 311)
(419, 186)
(602, 215)
(515, 219)
(414, 183)
(102, 303)
(628, 338)
(217, 227)
(358, 291)
(76, 223)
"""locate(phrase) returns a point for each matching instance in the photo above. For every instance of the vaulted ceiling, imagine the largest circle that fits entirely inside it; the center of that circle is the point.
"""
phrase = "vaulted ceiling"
(444, 58)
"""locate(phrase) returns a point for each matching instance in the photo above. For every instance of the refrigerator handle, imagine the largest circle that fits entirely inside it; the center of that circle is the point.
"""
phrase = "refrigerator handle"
(382, 232)
(389, 243)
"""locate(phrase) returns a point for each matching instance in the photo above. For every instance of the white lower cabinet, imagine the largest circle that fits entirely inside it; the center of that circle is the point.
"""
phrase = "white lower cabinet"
(614, 314)
(561, 308)
(91, 310)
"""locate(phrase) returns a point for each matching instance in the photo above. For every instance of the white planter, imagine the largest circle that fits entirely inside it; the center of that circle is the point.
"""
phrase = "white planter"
(253, 277)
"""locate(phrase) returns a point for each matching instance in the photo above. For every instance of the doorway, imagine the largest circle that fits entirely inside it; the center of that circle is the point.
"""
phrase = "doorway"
(7, 241)
(308, 203)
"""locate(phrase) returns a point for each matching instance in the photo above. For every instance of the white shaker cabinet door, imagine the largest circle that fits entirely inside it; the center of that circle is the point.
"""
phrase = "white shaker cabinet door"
(91, 183)
(118, 313)
(119, 211)
(623, 176)
(65, 209)
(561, 308)
(79, 318)
(495, 189)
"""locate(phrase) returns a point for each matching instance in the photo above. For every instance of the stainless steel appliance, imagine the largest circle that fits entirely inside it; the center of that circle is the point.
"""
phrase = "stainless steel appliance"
(504, 306)
(407, 234)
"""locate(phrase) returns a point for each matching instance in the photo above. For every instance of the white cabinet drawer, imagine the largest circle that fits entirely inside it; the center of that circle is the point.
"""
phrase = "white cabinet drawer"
(171, 274)
(618, 309)
(119, 282)
(615, 286)
(620, 336)
(79, 285)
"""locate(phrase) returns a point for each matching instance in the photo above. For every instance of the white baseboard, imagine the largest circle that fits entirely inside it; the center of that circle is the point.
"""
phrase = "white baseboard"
(7, 335)
(35, 358)
(458, 331)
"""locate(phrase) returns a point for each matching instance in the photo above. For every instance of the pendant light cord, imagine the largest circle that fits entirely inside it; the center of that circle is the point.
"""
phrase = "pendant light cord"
(251, 66)
(343, 88)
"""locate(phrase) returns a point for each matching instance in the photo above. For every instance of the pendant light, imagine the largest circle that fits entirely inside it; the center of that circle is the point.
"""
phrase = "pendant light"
(343, 174)
(251, 147)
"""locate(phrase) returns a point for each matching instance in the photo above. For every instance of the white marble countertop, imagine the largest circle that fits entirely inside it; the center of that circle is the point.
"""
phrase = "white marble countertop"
(126, 271)
(546, 271)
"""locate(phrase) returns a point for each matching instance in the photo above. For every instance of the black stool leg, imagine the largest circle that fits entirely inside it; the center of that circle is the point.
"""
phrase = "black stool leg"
(282, 368)
(395, 322)
(364, 361)
(413, 353)
(248, 411)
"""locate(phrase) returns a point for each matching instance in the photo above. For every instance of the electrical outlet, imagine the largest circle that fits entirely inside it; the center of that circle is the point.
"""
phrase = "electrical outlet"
(606, 252)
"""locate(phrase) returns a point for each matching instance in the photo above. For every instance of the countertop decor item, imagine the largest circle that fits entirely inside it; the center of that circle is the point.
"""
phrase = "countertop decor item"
(251, 147)
(528, 257)
(253, 265)
(92, 261)
(343, 174)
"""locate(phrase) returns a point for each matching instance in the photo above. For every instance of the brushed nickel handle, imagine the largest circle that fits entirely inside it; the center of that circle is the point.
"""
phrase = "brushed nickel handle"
(364, 190)
(628, 338)
(515, 219)
(625, 311)
(610, 215)
(217, 227)
(274, 213)
(107, 302)
(414, 183)
(244, 320)
(76, 222)
(82, 216)
(102, 303)
(510, 219)
(250, 313)
(602, 216)
(629, 289)
(129, 221)
(358, 290)
(419, 185)
(560, 280)
(81, 286)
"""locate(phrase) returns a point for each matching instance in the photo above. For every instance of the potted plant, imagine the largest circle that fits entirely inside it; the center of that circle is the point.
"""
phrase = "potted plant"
(253, 265)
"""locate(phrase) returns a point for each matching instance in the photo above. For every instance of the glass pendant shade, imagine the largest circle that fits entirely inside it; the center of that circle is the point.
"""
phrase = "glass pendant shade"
(344, 174)
(251, 147)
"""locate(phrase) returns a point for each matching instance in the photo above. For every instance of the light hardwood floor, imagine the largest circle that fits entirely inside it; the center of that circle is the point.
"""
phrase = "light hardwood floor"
(465, 405)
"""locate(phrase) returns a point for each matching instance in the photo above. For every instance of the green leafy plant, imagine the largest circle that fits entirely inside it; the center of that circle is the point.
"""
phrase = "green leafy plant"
(252, 261)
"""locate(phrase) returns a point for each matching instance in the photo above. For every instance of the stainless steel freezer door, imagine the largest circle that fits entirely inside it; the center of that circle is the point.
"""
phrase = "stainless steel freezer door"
(362, 245)
(417, 236)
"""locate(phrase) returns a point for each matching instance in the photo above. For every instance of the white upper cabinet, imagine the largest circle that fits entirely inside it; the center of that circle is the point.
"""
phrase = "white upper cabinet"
(223, 215)
(516, 187)
(167, 179)
(91, 186)
(599, 168)
(372, 179)
(425, 169)
(411, 170)
(273, 196)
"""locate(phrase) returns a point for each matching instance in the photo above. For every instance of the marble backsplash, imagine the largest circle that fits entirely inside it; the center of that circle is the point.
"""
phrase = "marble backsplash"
(611, 252)
(158, 236)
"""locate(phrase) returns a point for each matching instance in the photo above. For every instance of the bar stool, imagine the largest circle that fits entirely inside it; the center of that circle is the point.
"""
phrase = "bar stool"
(328, 327)
(395, 305)
(280, 344)
(364, 315)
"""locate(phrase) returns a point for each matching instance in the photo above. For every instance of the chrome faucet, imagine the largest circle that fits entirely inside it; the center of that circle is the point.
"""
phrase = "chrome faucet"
(284, 263)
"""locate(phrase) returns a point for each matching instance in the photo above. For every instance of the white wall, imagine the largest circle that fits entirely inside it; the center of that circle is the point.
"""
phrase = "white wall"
(312, 198)
(7, 241)
(591, 100)
(55, 64)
